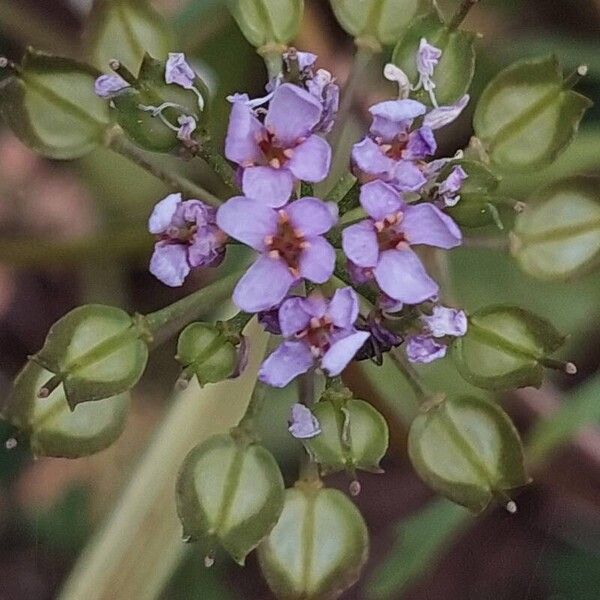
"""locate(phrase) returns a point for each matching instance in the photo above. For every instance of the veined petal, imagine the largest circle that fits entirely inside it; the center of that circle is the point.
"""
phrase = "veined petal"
(163, 212)
(318, 260)
(368, 158)
(311, 159)
(427, 224)
(243, 133)
(293, 316)
(380, 200)
(343, 308)
(169, 263)
(310, 216)
(407, 177)
(359, 242)
(336, 359)
(393, 117)
(288, 361)
(272, 187)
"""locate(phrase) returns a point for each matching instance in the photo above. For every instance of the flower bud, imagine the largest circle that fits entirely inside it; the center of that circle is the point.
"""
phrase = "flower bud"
(318, 547)
(93, 352)
(507, 347)
(55, 430)
(268, 22)
(557, 236)
(468, 450)
(229, 492)
(528, 115)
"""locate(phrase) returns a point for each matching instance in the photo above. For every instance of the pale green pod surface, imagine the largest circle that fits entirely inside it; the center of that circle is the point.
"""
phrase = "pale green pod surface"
(353, 437)
(454, 72)
(527, 115)
(468, 450)
(52, 107)
(95, 351)
(557, 236)
(505, 347)
(266, 22)
(53, 428)
(318, 547)
(125, 30)
(229, 492)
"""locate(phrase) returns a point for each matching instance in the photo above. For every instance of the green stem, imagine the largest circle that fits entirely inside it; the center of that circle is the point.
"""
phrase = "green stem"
(461, 14)
(411, 376)
(209, 154)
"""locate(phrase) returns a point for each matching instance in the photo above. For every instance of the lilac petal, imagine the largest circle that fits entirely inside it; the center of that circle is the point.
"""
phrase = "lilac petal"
(243, 134)
(393, 117)
(446, 321)
(293, 113)
(444, 115)
(343, 308)
(288, 361)
(248, 221)
(305, 59)
(427, 224)
(336, 359)
(317, 261)
(303, 424)
(310, 216)
(271, 187)
(264, 285)
(359, 242)
(169, 263)
(401, 275)
(359, 275)
(380, 200)
(424, 349)
(293, 317)
(368, 157)
(163, 213)
(421, 144)
(178, 71)
(428, 57)
(206, 250)
(407, 177)
(107, 86)
(311, 159)
(316, 305)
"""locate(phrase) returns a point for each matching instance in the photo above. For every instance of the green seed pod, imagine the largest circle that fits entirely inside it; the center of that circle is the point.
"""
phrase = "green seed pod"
(468, 450)
(229, 492)
(268, 22)
(528, 115)
(557, 236)
(378, 22)
(354, 435)
(507, 347)
(55, 430)
(125, 30)
(318, 547)
(50, 104)
(94, 352)
(454, 73)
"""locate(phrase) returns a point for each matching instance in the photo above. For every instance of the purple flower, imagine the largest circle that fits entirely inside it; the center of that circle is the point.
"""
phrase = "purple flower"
(306, 60)
(276, 154)
(449, 188)
(446, 321)
(290, 241)
(323, 87)
(383, 242)
(303, 424)
(187, 237)
(107, 86)
(178, 71)
(428, 58)
(318, 332)
(444, 115)
(187, 126)
(424, 349)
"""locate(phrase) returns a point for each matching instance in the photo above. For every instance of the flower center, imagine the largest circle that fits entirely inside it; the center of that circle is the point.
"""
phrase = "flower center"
(275, 155)
(317, 335)
(288, 243)
(184, 234)
(396, 149)
(389, 237)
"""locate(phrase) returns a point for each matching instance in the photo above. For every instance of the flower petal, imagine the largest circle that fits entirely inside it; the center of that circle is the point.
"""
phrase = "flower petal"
(336, 359)
(310, 216)
(368, 158)
(264, 285)
(421, 144)
(248, 221)
(243, 133)
(169, 263)
(317, 260)
(272, 187)
(427, 224)
(293, 112)
(303, 424)
(401, 275)
(444, 115)
(424, 349)
(311, 159)
(394, 116)
(288, 361)
(360, 245)
(163, 212)
(293, 317)
(343, 308)
(407, 177)
(380, 200)
(446, 321)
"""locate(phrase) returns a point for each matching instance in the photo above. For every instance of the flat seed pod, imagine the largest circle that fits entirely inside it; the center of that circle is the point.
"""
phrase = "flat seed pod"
(125, 30)
(468, 450)
(354, 436)
(528, 115)
(95, 352)
(505, 347)
(454, 72)
(231, 493)
(318, 547)
(557, 237)
(53, 428)
(51, 106)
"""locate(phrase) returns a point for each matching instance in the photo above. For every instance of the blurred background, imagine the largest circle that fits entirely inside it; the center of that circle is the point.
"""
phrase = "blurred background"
(72, 233)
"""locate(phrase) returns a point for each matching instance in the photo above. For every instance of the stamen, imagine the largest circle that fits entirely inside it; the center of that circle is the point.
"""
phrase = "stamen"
(305, 245)
(295, 272)
(268, 240)
(275, 163)
(283, 216)
(380, 226)
(315, 323)
(298, 233)
(274, 254)
(315, 351)
(288, 153)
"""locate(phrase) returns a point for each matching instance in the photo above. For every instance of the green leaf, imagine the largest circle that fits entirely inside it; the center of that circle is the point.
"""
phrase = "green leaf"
(557, 236)
(125, 30)
(382, 20)
(56, 430)
(528, 115)
(95, 352)
(318, 548)
(468, 450)
(230, 492)
(505, 347)
(52, 107)
(454, 72)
